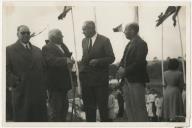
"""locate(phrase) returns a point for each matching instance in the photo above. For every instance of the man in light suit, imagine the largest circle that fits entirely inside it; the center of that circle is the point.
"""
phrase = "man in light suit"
(97, 55)
(133, 71)
(25, 70)
(59, 63)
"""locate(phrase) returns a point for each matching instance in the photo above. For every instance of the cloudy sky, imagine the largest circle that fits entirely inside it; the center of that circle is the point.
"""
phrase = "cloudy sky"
(39, 16)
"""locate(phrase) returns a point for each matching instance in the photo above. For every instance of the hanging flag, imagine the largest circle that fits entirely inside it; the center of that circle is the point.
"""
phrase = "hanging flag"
(169, 11)
(64, 13)
(119, 28)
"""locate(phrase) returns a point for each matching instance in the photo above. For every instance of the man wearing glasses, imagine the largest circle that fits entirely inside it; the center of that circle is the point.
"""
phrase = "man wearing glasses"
(26, 79)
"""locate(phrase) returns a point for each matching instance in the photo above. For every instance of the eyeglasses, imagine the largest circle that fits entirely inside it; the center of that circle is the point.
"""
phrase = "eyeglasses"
(23, 33)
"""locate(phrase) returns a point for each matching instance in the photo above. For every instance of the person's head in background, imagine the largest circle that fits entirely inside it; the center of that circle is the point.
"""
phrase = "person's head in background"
(131, 30)
(89, 29)
(46, 41)
(23, 34)
(110, 89)
(173, 64)
(55, 36)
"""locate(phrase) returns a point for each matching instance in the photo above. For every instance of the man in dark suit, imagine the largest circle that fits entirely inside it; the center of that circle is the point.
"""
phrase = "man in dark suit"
(134, 73)
(59, 63)
(97, 55)
(26, 79)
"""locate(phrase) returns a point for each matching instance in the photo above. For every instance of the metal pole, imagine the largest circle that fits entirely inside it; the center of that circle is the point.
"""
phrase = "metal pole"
(73, 89)
(183, 63)
(137, 14)
(76, 65)
(95, 18)
(162, 59)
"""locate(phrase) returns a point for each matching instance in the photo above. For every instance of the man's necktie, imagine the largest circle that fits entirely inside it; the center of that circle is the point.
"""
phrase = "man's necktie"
(27, 47)
(90, 44)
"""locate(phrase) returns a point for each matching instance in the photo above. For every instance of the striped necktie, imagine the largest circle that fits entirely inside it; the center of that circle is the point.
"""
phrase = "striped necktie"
(27, 47)
(90, 44)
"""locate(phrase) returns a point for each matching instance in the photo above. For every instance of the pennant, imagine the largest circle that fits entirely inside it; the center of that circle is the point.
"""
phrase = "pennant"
(169, 11)
(64, 13)
(119, 28)
(34, 34)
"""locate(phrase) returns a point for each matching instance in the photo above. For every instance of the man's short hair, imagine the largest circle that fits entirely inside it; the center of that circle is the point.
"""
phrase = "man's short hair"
(20, 26)
(173, 64)
(90, 23)
(53, 33)
(135, 27)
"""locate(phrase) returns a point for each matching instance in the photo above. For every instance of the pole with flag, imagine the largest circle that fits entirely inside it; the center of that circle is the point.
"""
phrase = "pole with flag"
(161, 18)
(76, 64)
(162, 59)
(182, 61)
(61, 16)
(136, 14)
(95, 18)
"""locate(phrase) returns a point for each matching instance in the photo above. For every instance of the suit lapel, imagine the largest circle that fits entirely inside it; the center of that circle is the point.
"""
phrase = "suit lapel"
(57, 49)
(96, 40)
(94, 44)
(132, 44)
(87, 44)
(66, 50)
(22, 50)
(28, 56)
(129, 48)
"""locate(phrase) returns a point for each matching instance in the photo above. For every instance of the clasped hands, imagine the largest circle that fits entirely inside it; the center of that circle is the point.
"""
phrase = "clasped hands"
(121, 72)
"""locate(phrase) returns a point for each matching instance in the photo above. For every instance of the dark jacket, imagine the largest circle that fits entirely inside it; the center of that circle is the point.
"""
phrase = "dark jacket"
(25, 74)
(58, 78)
(134, 60)
(103, 52)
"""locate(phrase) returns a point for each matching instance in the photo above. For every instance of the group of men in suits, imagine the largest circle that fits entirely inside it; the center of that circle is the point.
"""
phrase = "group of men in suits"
(31, 72)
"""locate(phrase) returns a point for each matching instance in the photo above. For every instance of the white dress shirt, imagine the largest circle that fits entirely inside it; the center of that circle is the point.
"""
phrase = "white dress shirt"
(27, 45)
(93, 38)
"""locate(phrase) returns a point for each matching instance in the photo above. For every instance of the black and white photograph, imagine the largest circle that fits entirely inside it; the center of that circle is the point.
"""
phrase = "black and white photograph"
(94, 63)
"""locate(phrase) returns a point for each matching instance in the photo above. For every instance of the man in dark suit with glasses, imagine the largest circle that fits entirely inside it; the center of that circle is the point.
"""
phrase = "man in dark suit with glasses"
(26, 79)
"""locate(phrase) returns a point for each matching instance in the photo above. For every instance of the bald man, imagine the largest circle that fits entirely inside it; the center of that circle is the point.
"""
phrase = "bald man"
(26, 78)
(97, 56)
(58, 60)
(133, 71)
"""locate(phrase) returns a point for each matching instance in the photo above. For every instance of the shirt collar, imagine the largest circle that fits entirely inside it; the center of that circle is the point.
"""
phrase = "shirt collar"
(137, 36)
(25, 44)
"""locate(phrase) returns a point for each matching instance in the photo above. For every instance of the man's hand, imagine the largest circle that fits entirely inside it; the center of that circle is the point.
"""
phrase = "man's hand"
(70, 62)
(121, 72)
(93, 62)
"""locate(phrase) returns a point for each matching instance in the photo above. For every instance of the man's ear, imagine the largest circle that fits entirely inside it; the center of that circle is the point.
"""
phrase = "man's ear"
(17, 34)
(133, 32)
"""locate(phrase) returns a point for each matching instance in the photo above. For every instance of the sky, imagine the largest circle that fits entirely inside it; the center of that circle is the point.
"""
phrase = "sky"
(38, 17)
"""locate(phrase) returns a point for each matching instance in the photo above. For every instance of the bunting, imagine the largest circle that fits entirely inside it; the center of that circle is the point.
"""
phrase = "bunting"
(119, 28)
